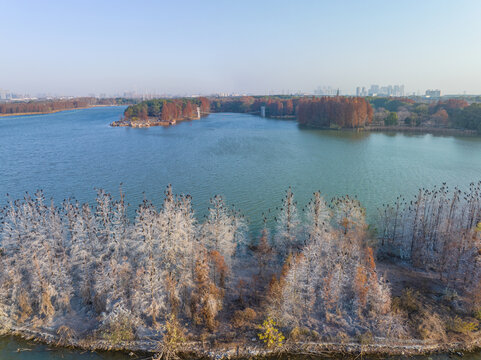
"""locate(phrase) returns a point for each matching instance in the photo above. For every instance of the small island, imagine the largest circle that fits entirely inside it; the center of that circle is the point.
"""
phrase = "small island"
(164, 112)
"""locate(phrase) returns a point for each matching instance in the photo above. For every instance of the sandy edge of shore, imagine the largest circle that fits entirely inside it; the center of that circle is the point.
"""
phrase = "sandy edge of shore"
(379, 346)
(55, 111)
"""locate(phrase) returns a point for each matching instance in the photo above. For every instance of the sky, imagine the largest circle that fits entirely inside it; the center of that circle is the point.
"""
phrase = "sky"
(256, 47)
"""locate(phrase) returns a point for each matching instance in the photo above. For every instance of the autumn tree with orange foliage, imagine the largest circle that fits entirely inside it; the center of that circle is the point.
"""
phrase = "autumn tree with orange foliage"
(206, 297)
(344, 112)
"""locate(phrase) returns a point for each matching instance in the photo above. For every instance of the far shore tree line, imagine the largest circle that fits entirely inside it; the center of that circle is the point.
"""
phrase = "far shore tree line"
(89, 272)
(327, 112)
(322, 112)
(46, 106)
(450, 113)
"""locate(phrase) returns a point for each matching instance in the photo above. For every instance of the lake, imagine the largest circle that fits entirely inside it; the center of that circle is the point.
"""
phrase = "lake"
(249, 160)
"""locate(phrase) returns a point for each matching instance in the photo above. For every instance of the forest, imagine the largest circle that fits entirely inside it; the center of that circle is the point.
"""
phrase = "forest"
(48, 106)
(334, 112)
(352, 112)
(275, 106)
(324, 112)
(89, 274)
(454, 113)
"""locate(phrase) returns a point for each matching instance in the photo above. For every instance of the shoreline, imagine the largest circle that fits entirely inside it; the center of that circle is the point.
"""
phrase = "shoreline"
(401, 129)
(149, 123)
(394, 129)
(240, 350)
(55, 111)
(421, 130)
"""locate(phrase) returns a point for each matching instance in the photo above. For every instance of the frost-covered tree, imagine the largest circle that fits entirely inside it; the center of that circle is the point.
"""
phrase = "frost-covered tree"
(148, 298)
(288, 237)
(35, 260)
(436, 231)
(223, 230)
(333, 281)
(318, 217)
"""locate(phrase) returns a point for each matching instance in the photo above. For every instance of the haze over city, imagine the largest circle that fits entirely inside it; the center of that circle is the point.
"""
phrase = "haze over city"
(190, 47)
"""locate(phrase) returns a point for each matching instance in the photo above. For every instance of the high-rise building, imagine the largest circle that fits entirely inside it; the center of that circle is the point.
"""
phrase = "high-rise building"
(358, 91)
(433, 93)
(3, 94)
(325, 91)
(388, 90)
(374, 90)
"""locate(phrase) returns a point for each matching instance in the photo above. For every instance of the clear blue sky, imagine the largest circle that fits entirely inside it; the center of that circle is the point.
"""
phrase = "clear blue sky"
(81, 47)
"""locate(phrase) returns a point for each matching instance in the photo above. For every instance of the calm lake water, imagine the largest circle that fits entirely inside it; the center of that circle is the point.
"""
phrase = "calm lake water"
(248, 159)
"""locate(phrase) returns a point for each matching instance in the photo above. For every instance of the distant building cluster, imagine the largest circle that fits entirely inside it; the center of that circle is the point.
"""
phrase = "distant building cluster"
(136, 95)
(376, 90)
(433, 93)
(7, 95)
(326, 91)
(4, 94)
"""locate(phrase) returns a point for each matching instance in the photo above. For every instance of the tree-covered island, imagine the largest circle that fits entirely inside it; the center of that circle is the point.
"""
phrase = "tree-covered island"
(164, 112)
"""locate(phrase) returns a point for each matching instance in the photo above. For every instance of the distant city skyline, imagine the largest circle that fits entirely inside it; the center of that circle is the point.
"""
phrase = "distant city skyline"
(362, 91)
(249, 47)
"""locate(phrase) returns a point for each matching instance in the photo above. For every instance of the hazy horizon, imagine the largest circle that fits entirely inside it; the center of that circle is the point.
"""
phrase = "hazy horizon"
(238, 47)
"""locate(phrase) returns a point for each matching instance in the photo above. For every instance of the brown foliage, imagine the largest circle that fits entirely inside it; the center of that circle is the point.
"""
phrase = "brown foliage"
(243, 318)
(220, 268)
(46, 106)
(207, 298)
(337, 111)
(361, 286)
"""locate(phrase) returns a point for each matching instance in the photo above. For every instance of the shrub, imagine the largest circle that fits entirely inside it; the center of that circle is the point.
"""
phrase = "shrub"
(119, 325)
(65, 334)
(174, 332)
(272, 337)
(300, 333)
(477, 314)
(243, 318)
(458, 325)
(431, 327)
(366, 338)
(450, 295)
(174, 336)
(409, 300)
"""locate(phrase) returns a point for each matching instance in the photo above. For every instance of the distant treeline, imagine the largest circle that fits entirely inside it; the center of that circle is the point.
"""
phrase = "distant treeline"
(312, 111)
(57, 105)
(275, 106)
(323, 112)
(168, 109)
(450, 113)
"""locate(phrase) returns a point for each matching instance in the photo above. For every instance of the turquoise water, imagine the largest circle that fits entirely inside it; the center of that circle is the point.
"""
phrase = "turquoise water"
(248, 159)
